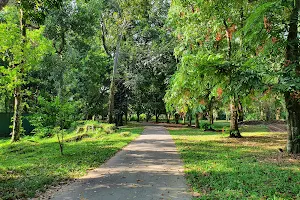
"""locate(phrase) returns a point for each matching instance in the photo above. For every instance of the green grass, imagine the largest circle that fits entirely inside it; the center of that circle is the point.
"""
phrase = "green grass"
(33, 164)
(218, 167)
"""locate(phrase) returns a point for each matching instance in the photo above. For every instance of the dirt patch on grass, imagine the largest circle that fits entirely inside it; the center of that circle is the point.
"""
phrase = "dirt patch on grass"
(260, 122)
(277, 127)
(270, 141)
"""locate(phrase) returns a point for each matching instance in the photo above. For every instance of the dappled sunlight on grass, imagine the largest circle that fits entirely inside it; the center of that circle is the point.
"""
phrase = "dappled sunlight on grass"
(251, 167)
(33, 164)
(252, 129)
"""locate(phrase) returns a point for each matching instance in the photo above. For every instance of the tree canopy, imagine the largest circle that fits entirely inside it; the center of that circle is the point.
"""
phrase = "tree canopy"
(65, 60)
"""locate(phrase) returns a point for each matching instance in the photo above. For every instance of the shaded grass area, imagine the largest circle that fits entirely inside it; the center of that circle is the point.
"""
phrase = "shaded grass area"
(218, 167)
(33, 164)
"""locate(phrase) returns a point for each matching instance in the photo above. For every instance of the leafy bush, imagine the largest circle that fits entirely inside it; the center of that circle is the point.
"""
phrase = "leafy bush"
(143, 117)
(206, 126)
(53, 113)
(133, 118)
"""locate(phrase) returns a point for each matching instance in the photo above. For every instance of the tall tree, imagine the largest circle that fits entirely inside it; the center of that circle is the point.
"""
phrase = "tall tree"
(19, 52)
(277, 22)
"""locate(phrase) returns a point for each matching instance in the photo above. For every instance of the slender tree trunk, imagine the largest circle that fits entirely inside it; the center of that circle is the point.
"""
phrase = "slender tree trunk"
(138, 116)
(261, 110)
(190, 120)
(211, 116)
(112, 84)
(176, 118)
(121, 122)
(17, 119)
(278, 112)
(292, 98)
(234, 128)
(241, 112)
(228, 36)
(148, 116)
(183, 120)
(210, 111)
(156, 117)
(197, 124)
(168, 117)
(268, 114)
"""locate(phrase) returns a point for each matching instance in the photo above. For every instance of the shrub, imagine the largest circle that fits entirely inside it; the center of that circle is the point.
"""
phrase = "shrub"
(53, 113)
(206, 126)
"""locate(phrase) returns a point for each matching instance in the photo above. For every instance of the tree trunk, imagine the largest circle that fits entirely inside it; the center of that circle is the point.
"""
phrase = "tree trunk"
(168, 118)
(138, 116)
(156, 117)
(278, 112)
(17, 119)
(112, 84)
(176, 118)
(228, 36)
(183, 120)
(197, 124)
(241, 112)
(211, 115)
(148, 117)
(293, 107)
(268, 114)
(234, 128)
(292, 97)
(262, 113)
(121, 123)
(190, 120)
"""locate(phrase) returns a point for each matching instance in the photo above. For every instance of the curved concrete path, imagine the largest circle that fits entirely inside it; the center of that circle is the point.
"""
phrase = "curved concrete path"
(148, 168)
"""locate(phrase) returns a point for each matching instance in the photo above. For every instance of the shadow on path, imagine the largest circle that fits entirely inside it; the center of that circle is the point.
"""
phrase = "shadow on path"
(148, 168)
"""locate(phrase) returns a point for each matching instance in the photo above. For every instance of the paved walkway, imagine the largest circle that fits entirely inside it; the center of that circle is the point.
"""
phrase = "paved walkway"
(148, 168)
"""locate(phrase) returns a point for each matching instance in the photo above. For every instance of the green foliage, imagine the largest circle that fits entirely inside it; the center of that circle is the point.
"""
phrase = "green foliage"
(206, 126)
(53, 113)
(19, 59)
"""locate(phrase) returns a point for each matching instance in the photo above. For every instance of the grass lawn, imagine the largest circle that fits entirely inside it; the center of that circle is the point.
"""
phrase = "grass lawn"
(218, 167)
(33, 164)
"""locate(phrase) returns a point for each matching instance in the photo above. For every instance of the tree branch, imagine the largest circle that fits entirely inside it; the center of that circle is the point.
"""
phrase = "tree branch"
(103, 29)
